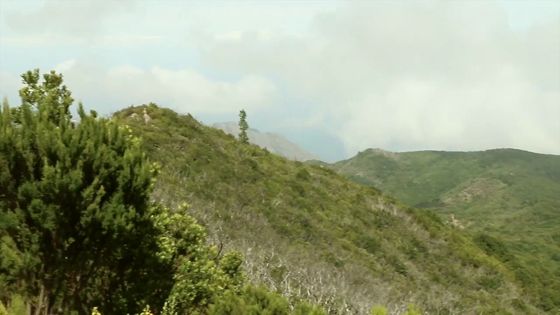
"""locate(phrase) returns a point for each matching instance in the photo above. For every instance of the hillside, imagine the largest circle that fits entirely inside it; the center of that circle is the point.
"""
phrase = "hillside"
(272, 142)
(508, 199)
(310, 233)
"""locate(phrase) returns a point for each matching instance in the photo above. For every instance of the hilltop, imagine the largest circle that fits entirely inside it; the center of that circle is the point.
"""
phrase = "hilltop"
(307, 232)
(508, 199)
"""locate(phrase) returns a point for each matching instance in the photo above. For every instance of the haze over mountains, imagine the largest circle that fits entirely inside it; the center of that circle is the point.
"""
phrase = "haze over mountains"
(273, 142)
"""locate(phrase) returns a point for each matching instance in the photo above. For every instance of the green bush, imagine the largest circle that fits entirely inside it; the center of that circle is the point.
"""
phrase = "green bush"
(259, 301)
(75, 211)
(378, 310)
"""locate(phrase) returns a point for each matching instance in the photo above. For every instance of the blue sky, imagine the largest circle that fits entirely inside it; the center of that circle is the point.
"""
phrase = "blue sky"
(336, 77)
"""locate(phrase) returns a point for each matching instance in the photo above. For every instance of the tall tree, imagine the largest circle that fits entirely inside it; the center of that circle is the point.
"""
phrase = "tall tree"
(74, 206)
(243, 127)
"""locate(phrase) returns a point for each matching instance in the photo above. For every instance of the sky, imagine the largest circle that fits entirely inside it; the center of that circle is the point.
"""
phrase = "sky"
(336, 77)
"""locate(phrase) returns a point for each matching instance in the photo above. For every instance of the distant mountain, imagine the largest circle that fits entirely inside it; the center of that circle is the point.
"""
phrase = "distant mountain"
(272, 142)
(509, 199)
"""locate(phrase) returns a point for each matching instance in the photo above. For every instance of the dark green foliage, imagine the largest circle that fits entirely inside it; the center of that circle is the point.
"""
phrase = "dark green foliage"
(303, 174)
(369, 243)
(493, 246)
(74, 210)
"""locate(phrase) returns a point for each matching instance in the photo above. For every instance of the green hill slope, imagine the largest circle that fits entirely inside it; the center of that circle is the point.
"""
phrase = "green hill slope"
(310, 233)
(509, 199)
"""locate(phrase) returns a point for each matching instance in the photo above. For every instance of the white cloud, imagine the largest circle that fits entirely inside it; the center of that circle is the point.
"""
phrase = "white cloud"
(90, 23)
(422, 75)
(498, 111)
(184, 90)
(65, 18)
(64, 66)
(396, 75)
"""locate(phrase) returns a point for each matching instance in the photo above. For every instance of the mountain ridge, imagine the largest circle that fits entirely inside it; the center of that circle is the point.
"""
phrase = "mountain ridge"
(309, 233)
(384, 151)
(508, 194)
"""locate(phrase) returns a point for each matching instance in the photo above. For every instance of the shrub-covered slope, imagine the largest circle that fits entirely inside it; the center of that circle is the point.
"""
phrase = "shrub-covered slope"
(79, 234)
(509, 199)
(307, 232)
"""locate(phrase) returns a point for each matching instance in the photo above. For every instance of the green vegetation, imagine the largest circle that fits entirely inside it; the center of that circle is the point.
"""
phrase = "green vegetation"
(259, 301)
(73, 197)
(78, 229)
(86, 228)
(308, 233)
(509, 201)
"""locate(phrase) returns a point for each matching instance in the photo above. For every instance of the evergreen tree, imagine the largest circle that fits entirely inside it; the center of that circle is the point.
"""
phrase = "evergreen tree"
(243, 127)
(75, 225)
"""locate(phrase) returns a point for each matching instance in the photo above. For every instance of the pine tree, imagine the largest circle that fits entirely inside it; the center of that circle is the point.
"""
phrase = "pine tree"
(243, 127)
(74, 206)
